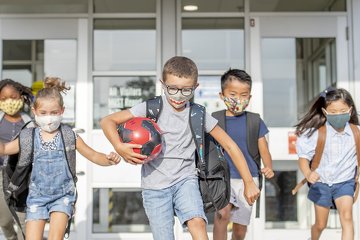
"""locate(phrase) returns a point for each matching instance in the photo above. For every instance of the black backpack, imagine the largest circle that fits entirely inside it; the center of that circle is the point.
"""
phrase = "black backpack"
(212, 167)
(252, 137)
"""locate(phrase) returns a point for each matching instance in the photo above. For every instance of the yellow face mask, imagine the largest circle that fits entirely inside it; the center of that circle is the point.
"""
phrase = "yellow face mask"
(11, 106)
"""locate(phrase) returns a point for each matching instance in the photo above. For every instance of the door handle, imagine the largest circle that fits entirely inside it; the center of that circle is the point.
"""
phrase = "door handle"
(78, 130)
(80, 173)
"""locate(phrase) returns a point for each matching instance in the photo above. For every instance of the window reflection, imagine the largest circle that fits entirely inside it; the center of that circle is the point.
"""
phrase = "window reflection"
(225, 38)
(294, 71)
(280, 204)
(112, 94)
(118, 210)
(207, 93)
(119, 45)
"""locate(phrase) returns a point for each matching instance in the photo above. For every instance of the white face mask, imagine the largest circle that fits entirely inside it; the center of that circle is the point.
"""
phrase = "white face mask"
(48, 123)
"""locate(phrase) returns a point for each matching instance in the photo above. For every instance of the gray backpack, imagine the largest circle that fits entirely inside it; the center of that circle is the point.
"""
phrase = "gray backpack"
(212, 167)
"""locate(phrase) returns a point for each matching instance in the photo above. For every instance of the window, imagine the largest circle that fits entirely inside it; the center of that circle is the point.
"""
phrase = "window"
(119, 44)
(118, 210)
(224, 36)
(112, 94)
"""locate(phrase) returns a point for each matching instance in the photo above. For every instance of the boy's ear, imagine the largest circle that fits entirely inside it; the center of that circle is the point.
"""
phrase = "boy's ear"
(221, 95)
(33, 110)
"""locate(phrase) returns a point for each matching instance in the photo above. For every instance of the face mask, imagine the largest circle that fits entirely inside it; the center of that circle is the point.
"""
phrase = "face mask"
(48, 123)
(236, 106)
(11, 106)
(338, 121)
(178, 100)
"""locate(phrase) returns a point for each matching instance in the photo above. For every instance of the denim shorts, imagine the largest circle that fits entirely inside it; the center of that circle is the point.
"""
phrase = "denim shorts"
(324, 195)
(40, 206)
(183, 199)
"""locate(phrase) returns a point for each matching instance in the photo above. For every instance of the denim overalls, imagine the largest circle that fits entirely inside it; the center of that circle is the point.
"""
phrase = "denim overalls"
(51, 188)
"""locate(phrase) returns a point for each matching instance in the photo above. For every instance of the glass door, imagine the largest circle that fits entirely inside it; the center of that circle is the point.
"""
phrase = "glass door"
(29, 56)
(292, 60)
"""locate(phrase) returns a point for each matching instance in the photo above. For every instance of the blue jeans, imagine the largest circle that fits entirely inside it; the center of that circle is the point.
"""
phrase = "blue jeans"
(182, 199)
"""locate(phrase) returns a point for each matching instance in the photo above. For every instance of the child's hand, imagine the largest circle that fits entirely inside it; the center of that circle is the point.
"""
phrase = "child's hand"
(127, 153)
(313, 177)
(268, 172)
(251, 192)
(114, 158)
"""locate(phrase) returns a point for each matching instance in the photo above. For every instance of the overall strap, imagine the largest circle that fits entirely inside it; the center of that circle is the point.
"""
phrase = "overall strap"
(69, 140)
(153, 108)
(356, 134)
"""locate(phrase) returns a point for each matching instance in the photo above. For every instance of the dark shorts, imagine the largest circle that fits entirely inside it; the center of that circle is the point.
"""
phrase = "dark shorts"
(324, 195)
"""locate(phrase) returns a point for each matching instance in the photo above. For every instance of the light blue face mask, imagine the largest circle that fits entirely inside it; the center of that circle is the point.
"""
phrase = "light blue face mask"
(338, 121)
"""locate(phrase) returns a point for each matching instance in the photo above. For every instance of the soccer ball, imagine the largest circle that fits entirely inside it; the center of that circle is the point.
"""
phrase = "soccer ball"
(143, 131)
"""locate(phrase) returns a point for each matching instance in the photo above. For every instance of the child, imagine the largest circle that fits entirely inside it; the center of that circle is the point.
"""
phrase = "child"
(52, 192)
(333, 181)
(169, 182)
(13, 96)
(235, 92)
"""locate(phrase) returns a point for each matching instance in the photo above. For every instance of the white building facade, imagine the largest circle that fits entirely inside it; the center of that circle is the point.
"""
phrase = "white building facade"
(111, 52)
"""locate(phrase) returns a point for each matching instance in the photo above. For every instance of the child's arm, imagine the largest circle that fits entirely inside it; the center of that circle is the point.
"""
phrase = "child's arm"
(109, 125)
(251, 191)
(10, 147)
(311, 176)
(94, 156)
(266, 158)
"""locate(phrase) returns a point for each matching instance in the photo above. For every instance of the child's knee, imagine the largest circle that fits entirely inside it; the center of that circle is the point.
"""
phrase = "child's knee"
(239, 231)
(196, 222)
(320, 226)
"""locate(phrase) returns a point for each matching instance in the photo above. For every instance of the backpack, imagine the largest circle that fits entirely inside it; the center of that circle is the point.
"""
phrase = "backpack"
(252, 138)
(17, 171)
(320, 144)
(212, 167)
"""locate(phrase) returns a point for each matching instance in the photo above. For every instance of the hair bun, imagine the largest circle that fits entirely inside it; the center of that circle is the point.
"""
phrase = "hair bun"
(56, 83)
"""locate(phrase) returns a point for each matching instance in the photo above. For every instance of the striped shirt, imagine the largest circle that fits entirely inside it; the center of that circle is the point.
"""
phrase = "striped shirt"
(338, 162)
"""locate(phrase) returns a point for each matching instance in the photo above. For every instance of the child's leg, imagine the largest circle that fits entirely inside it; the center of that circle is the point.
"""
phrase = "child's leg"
(344, 206)
(58, 223)
(35, 229)
(159, 209)
(221, 222)
(189, 208)
(197, 228)
(321, 218)
(238, 231)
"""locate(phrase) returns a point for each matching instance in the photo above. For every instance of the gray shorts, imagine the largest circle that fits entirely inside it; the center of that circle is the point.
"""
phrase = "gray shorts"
(241, 211)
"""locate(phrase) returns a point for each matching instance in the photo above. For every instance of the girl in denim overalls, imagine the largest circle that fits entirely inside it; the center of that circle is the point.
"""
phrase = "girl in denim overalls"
(333, 181)
(52, 192)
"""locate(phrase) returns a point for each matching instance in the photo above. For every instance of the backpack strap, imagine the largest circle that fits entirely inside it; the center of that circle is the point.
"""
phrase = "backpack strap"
(197, 125)
(319, 149)
(153, 108)
(252, 141)
(220, 116)
(356, 134)
(21, 176)
(69, 141)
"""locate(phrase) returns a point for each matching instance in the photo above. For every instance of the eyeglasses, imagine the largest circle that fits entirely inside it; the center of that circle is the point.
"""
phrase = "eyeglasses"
(174, 90)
